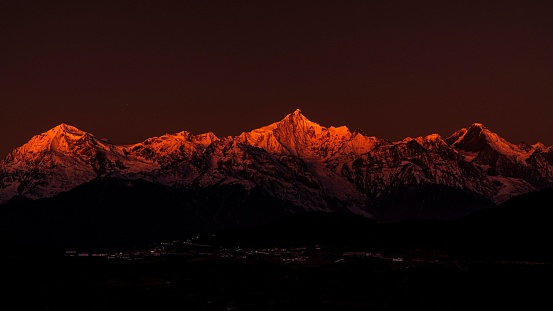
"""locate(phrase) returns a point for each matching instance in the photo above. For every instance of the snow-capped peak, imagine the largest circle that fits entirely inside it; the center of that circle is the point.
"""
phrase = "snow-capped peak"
(478, 137)
(205, 139)
(297, 118)
(473, 139)
(431, 141)
(297, 135)
(59, 159)
(539, 145)
(64, 129)
(493, 140)
(60, 138)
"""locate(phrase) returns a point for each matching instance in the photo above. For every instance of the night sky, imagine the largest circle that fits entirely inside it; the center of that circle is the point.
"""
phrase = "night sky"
(132, 70)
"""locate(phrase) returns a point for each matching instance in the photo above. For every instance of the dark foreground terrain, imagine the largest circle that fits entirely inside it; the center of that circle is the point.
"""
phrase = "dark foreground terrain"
(498, 258)
(326, 279)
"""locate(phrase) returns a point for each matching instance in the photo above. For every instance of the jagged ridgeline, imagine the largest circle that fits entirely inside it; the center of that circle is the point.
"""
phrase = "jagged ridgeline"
(289, 166)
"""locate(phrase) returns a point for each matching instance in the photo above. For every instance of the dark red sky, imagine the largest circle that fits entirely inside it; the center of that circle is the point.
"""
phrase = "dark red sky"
(129, 71)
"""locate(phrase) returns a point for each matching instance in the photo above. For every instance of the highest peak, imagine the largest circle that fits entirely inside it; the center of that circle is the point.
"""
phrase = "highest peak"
(295, 134)
(297, 114)
(292, 120)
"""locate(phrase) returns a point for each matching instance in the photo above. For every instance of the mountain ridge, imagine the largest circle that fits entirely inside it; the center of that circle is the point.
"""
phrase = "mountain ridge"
(295, 160)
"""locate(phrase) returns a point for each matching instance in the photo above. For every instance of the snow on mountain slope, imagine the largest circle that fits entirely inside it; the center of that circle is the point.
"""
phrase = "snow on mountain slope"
(169, 148)
(315, 145)
(285, 177)
(61, 159)
(477, 137)
(514, 169)
(298, 136)
(179, 156)
(423, 160)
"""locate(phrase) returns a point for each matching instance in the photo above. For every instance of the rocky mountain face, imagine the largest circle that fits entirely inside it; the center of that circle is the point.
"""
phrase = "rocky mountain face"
(297, 165)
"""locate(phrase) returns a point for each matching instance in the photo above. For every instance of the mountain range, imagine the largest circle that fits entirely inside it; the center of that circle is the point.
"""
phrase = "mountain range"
(289, 166)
